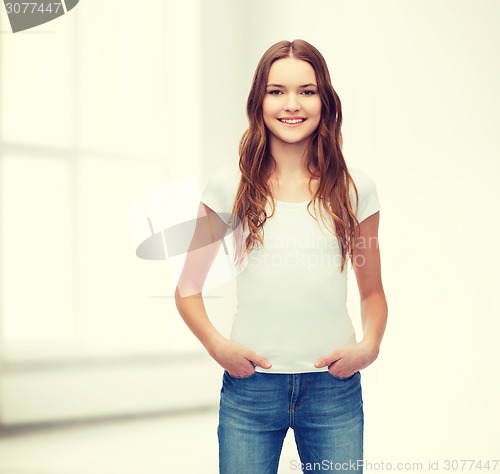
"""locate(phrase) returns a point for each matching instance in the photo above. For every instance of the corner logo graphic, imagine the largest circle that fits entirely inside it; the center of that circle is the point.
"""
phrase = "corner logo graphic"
(25, 15)
(162, 225)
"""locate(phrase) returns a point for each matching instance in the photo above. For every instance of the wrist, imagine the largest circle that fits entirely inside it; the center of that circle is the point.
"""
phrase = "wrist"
(372, 346)
(212, 342)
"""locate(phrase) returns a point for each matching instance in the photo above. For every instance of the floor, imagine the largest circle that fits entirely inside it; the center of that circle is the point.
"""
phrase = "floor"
(179, 443)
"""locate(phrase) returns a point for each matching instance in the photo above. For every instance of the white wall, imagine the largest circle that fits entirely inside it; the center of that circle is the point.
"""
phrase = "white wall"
(419, 85)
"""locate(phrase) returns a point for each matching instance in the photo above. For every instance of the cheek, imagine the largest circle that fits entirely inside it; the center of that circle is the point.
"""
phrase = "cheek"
(268, 107)
(316, 108)
(315, 115)
(269, 112)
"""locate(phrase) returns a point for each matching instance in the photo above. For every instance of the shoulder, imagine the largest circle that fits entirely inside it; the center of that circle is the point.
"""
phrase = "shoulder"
(361, 178)
(368, 201)
(221, 187)
(225, 174)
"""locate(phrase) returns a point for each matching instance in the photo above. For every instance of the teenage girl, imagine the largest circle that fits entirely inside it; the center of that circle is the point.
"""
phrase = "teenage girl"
(297, 214)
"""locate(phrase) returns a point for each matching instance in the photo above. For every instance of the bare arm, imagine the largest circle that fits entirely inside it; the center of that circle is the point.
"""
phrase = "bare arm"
(367, 268)
(205, 245)
(366, 263)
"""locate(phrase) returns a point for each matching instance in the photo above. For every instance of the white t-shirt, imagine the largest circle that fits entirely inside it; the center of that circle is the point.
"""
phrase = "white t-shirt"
(291, 296)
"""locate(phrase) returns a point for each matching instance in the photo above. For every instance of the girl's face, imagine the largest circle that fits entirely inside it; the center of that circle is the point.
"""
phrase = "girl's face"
(292, 105)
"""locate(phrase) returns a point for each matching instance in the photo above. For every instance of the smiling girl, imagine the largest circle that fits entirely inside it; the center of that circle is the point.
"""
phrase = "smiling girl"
(297, 214)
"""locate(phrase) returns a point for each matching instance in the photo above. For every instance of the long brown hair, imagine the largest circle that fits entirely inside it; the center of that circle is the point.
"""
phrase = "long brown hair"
(325, 160)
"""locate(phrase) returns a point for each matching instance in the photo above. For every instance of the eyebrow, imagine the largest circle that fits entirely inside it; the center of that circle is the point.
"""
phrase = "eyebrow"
(300, 87)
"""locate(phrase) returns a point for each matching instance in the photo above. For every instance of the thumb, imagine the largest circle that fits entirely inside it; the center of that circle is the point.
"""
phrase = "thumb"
(260, 361)
(326, 361)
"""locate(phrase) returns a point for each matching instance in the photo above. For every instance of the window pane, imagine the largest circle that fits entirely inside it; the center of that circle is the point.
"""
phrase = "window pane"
(37, 86)
(36, 216)
(122, 78)
(123, 300)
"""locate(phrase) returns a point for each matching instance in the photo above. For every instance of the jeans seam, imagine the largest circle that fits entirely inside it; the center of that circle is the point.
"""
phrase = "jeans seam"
(291, 420)
(303, 398)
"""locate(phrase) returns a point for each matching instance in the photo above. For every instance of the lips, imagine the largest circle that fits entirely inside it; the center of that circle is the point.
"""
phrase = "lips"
(292, 120)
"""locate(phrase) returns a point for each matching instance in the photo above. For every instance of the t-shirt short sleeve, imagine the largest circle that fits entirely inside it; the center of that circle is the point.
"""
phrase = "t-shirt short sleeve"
(220, 191)
(367, 193)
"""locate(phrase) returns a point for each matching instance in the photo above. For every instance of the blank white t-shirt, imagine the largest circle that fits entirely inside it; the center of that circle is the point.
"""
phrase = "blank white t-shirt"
(291, 296)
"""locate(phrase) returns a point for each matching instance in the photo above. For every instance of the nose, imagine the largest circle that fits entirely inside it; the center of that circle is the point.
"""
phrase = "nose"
(292, 104)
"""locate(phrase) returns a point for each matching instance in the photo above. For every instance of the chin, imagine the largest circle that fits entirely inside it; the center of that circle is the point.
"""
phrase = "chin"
(296, 140)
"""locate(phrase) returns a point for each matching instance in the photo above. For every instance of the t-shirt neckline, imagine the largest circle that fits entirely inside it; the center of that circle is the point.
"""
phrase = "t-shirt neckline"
(291, 203)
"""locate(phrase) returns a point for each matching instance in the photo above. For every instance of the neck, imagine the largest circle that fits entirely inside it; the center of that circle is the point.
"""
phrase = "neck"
(291, 158)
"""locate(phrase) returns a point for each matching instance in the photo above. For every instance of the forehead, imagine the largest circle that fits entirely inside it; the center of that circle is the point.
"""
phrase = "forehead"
(291, 71)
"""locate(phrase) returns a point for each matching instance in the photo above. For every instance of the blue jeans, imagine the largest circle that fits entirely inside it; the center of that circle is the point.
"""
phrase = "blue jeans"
(324, 411)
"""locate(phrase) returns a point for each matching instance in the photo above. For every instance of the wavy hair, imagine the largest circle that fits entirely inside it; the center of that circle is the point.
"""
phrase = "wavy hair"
(324, 160)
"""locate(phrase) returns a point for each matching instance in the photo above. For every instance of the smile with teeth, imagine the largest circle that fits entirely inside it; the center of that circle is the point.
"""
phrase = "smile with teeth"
(291, 121)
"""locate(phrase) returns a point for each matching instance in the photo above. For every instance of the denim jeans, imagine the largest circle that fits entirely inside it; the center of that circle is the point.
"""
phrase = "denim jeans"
(324, 411)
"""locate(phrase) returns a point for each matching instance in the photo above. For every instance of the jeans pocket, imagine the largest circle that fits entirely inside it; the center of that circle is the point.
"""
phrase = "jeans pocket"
(336, 377)
(236, 377)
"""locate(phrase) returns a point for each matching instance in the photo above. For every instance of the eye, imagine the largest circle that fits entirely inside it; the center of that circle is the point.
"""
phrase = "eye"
(308, 92)
(275, 92)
